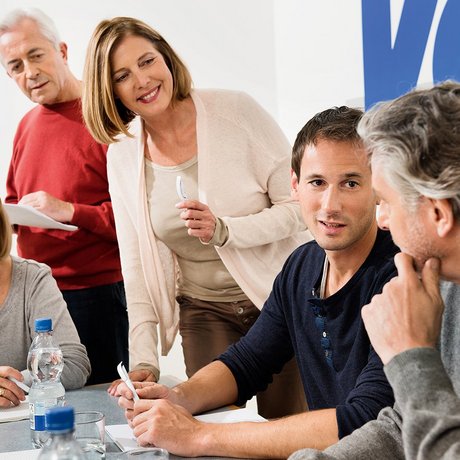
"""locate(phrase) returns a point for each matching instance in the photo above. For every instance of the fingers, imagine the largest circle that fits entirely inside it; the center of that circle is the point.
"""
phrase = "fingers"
(8, 371)
(194, 212)
(132, 409)
(10, 393)
(150, 390)
(192, 204)
(430, 277)
(34, 198)
(126, 403)
(405, 266)
(124, 392)
(144, 390)
(10, 398)
(112, 390)
(430, 273)
(141, 375)
(199, 219)
(195, 218)
(142, 406)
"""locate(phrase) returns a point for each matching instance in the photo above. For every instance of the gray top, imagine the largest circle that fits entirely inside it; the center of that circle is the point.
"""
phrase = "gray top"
(34, 294)
(425, 423)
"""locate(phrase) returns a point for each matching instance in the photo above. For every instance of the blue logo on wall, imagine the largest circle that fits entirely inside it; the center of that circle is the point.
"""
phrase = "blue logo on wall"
(392, 71)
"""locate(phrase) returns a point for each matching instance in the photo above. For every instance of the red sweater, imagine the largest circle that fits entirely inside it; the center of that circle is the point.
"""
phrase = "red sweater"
(54, 152)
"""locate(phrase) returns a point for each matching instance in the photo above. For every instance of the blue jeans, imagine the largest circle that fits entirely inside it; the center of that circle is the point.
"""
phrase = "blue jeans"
(101, 319)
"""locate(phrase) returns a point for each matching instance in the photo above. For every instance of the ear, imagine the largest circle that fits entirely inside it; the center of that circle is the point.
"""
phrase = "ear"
(63, 50)
(294, 186)
(443, 216)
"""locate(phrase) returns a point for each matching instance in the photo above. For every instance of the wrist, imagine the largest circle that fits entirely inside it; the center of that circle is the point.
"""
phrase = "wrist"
(178, 396)
(207, 440)
(70, 211)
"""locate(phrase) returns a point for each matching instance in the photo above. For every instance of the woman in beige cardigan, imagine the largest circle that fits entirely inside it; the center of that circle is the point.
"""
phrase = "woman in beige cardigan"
(204, 265)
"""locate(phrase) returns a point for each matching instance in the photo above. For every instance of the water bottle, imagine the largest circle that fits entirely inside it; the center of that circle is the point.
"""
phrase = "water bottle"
(45, 364)
(60, 422)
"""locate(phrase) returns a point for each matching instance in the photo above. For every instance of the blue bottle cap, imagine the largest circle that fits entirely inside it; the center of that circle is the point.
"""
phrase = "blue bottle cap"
(43, 325)
(59, 419)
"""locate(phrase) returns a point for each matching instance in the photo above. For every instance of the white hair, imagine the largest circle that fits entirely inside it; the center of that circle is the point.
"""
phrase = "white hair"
(415, 142)
(44, 23)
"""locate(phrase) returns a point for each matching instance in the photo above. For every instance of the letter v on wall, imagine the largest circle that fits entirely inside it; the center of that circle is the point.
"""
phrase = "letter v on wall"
(391, 71)
(446, 54)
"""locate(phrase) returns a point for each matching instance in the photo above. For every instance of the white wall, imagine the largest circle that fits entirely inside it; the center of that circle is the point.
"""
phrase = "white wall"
(318, 58)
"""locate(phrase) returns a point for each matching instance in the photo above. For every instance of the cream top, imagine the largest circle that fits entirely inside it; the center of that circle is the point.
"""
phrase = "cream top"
(201, 273)
(244, 177)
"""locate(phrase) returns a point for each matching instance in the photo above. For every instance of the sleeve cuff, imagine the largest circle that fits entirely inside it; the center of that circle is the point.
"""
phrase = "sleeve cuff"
(149, 367)
(220, 236)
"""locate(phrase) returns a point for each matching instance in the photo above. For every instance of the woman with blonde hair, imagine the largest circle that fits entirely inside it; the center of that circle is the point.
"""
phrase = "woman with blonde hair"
(27, 292)
(204, 265)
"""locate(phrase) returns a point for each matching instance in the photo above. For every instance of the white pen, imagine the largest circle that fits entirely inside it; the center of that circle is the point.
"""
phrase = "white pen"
(21, 385)
(180, 188)
(125, 377)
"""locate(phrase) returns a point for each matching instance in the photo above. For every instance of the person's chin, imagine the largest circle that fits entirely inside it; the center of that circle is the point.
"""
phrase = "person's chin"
(417, 261)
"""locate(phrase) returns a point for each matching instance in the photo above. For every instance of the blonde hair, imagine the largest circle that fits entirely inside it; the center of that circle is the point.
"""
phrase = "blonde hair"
(5, 233)
(105, 116)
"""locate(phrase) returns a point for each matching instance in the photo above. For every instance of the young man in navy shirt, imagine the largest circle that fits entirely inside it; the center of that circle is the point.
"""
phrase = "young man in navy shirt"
(313, 312)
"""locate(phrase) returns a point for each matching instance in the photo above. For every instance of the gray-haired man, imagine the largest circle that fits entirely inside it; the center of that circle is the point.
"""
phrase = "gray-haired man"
(414, 146)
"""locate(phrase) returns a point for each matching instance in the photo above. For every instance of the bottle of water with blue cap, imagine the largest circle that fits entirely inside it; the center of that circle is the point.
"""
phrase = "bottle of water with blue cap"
(45, 364)
(60, 423)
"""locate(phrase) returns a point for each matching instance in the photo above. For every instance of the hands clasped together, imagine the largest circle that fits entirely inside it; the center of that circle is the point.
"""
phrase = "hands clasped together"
(158, 419)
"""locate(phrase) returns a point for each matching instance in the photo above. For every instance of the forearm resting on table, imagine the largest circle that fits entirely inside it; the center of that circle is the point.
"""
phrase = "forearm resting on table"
(211, 387)
(273, 439)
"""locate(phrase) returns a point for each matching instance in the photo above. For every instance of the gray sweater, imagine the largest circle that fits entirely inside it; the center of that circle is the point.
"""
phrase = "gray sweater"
(34, 294)
(425, 423)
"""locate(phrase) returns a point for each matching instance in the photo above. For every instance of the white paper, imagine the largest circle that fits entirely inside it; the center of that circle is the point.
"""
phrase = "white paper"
(21, 214)
(124, 438)
(21, 454)
(14, 413)
(231, 416)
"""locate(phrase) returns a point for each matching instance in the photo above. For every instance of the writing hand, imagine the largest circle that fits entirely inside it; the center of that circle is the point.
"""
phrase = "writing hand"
(140, 375)
(146, 391)
(164, 424)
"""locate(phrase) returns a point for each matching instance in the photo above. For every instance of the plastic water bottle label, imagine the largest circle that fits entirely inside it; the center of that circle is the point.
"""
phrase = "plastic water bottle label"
(37, 413)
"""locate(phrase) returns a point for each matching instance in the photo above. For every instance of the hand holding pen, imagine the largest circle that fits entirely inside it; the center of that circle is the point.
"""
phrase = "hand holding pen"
(199, 219)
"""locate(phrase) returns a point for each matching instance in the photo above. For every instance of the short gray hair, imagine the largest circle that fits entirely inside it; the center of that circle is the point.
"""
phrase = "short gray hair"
(44, 23)
(415, 140)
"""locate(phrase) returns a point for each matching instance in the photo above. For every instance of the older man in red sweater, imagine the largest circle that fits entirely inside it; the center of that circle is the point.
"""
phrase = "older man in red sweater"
(59, 169)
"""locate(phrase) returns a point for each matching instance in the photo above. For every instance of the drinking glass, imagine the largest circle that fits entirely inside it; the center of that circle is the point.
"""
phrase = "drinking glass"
(90, 433)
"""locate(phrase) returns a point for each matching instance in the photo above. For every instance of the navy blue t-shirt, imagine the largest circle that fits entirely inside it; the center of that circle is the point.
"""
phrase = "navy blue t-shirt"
(338, 366)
